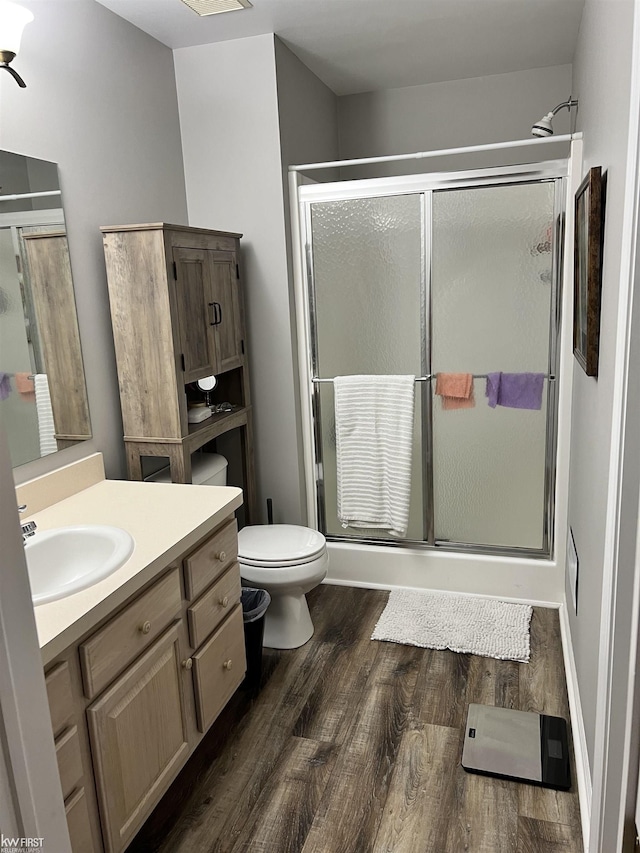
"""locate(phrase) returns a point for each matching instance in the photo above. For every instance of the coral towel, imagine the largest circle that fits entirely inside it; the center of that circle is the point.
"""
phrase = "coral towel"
(456, 390)
(25, 386)
(374, 439)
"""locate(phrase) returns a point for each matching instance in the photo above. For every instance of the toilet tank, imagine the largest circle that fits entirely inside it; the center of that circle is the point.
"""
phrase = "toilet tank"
(207, 469)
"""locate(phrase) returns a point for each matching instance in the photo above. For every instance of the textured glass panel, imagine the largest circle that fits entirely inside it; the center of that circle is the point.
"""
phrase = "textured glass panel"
(491, 304)
(17, 412)
(367, 271)
(367, 265)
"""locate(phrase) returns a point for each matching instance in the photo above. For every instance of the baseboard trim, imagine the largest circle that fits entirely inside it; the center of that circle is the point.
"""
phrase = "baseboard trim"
(389, 586)
(577, 726)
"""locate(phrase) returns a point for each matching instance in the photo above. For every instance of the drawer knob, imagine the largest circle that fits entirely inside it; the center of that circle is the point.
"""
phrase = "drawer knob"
(227, 664)
(145, 627)
(187, 664)
(224, 601)
(222, 556)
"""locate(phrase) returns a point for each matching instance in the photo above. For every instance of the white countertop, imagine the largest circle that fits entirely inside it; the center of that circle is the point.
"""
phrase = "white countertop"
(164, 519)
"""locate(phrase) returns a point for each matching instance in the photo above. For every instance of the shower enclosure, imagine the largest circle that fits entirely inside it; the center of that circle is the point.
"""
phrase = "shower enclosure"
(453, 273)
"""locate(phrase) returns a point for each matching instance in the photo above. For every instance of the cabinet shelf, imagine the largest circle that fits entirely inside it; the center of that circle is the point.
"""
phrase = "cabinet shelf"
(216, 425)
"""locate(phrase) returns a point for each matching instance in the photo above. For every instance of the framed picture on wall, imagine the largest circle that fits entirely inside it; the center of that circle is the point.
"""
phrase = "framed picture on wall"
(588, 271)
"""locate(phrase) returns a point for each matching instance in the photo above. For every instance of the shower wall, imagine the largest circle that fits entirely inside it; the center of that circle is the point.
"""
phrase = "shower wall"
(452, 281)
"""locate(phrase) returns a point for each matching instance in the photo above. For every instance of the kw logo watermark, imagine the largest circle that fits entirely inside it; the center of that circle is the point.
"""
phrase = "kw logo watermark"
(20, 845)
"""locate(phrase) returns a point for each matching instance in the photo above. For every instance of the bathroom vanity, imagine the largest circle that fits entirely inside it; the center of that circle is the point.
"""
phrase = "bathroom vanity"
(138, 666)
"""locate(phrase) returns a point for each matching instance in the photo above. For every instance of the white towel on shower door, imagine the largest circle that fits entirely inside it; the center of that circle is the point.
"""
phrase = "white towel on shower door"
(46, 428)
(374, 440)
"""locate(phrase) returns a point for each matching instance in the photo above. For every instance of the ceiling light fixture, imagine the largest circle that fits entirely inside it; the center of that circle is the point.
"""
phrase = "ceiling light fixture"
(544, 126)
(215, 7)
(13, 20)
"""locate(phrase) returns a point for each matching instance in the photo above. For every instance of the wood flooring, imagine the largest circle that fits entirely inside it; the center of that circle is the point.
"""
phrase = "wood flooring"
(354, 746)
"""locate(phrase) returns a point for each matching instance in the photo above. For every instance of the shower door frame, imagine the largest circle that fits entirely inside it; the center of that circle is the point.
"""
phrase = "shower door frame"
(555, 171)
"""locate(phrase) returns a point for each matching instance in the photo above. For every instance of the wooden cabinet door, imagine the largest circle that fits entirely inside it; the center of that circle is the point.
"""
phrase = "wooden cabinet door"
(139, 739)
(227, 310)
(195, 309)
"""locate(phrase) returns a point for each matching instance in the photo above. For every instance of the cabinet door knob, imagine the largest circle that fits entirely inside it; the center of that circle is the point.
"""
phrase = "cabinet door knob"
(222, 556)
(224, 601)
(187, 664)
(227, 664)
(145, 627)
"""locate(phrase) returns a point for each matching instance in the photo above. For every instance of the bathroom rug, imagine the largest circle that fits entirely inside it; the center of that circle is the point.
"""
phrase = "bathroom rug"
(462, 623)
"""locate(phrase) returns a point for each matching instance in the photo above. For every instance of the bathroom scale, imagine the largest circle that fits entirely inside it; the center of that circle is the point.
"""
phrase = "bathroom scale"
(517, 745)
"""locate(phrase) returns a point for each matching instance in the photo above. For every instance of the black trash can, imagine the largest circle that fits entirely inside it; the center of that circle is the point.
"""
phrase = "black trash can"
(254, 607)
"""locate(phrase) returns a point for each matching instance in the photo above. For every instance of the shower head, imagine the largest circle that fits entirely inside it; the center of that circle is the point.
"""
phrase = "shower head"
(544, 126)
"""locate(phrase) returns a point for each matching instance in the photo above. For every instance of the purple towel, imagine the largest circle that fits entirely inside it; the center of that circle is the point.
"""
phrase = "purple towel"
(5, 385)
(515, 390)
(493, 388)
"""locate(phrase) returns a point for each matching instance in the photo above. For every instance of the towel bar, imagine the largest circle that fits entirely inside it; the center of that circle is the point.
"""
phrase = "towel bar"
(430, 376)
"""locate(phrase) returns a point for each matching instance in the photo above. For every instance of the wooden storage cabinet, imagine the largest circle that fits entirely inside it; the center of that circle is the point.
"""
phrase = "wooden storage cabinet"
(177, 313)
(131, 701)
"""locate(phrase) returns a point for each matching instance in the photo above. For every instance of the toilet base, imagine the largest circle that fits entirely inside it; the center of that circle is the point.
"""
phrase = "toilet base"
(287, 622)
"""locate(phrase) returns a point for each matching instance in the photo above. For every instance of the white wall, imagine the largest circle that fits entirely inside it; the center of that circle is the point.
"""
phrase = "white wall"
(308, 120)
(101, 102)
(444, 115)
(228, 98)
(602, 86)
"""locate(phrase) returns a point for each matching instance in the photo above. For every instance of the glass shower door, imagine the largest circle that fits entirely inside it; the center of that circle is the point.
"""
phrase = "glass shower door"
(368, 317)
(492, 300)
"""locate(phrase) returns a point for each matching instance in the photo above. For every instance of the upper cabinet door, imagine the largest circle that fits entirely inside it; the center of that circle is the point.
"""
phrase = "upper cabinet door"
(196, 313)
(227, 310)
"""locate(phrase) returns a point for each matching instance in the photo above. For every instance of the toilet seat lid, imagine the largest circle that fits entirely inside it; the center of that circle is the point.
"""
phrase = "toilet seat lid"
(279, 543)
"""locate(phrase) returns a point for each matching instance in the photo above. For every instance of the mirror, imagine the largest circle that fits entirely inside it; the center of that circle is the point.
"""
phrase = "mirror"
(43, 396)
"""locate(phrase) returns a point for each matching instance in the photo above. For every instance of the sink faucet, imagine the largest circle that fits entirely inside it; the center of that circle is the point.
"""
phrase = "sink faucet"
(28, 528)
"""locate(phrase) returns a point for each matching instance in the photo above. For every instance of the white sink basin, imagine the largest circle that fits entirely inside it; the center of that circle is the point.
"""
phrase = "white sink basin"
(68, 559)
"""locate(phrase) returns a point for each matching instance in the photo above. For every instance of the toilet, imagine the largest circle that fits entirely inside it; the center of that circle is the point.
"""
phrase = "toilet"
(285, 559)
(288, 561)
(207, 469)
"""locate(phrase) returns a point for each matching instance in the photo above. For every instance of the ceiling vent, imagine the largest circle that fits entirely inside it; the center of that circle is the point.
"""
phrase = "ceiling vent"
(214, 7)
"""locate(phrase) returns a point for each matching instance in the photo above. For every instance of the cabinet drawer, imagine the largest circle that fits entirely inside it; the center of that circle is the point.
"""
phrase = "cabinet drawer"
(79, 823)
(69, 760)
(122, 639)
(218, 669)
(58, 683)
(208, 561)
(211, 608)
